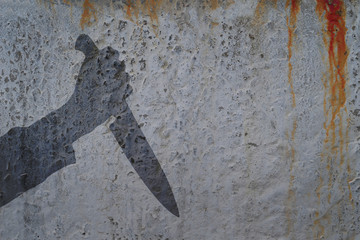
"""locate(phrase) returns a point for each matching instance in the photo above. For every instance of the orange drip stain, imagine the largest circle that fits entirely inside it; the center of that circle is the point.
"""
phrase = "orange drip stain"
(229, 3)
(153, 7)
(332, 12)
(214, 24)
(348, 168)
(348, 184)
(128, 9)
(133, 9)
(261, 10)
(150, 8)
(214, 4)
(320, 232)
(318, 188)
(335, 83)
(291, 21)
(291, 24)
(320, 223)
(89, 12)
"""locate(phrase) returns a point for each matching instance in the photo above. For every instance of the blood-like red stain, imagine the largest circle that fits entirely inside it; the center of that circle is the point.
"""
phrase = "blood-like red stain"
(335, 82)
(332, 13)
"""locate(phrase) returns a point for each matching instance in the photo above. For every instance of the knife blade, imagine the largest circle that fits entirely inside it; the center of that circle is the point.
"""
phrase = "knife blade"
(138, 151)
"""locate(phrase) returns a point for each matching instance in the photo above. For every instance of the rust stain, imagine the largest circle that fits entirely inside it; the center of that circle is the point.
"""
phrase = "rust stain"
(214, 4)
(291, 21)
(128, 9)
(335, 83)
(229, 3)
(332, 13)
(89, 12)
(134, 8)
(320, 232)
(348, 168)
(261, 9)
(214, 24)
(291, 197)
(348, 185)
(291, 24)
(149, 8)
(318, 188)
(152, 8)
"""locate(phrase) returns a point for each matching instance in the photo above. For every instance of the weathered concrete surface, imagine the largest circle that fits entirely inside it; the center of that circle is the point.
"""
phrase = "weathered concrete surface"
(251, 108)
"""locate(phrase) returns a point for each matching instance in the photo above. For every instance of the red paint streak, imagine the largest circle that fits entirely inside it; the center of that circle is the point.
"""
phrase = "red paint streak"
(332, 13)
(88, 12)
(334, 39)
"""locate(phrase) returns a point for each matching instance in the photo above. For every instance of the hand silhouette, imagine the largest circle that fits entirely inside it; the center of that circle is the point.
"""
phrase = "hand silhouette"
(28, 155)
(103, 83)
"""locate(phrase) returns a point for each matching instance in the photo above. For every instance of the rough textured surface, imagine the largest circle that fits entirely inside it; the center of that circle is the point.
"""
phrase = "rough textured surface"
(251, 108)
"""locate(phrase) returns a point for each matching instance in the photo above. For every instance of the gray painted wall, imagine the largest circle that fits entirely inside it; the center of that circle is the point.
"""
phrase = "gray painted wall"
(250, 107)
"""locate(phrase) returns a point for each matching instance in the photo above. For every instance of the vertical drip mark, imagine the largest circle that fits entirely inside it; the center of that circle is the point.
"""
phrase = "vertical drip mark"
(68, 2)
(334, 83)
(291, 24)
(88, 13)
(153, 7)
(348, 168)
(146, 7)
(291, 21)
(332, 14)
(321, 231)
(128, 9)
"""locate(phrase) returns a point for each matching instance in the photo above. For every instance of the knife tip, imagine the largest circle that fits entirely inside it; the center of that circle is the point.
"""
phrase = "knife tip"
(171, 205)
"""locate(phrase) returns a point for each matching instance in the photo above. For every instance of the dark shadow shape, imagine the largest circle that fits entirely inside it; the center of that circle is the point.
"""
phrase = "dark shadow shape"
(28, 155)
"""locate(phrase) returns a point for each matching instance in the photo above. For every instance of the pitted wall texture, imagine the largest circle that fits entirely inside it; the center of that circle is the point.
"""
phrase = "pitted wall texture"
(250, 107)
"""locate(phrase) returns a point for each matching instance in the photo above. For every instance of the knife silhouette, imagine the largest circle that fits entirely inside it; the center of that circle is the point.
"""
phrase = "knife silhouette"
(128, 133)
(29, 155)
(138, 151)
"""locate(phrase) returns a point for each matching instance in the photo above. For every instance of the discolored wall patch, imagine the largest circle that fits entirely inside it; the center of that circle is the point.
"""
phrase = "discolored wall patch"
(133, 9)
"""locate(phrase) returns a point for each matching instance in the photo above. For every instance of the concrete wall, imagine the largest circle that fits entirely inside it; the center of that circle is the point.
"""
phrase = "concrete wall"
(251, 108)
